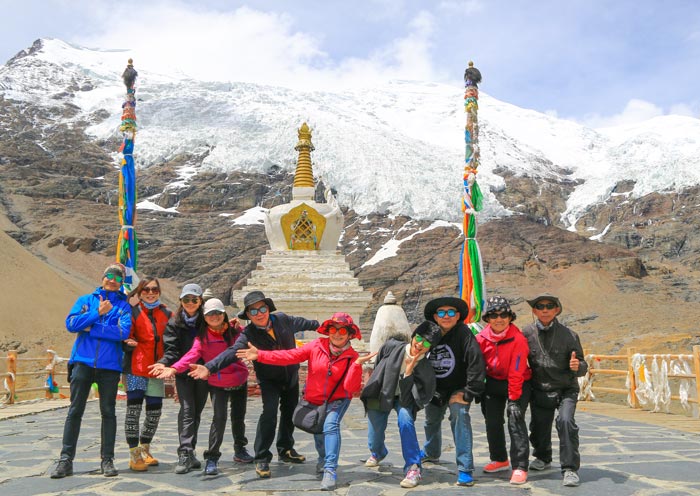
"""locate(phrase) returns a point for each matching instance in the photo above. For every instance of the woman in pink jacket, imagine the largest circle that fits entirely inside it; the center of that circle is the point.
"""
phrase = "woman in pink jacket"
(331, 361)
(229, 385)
(505, 352)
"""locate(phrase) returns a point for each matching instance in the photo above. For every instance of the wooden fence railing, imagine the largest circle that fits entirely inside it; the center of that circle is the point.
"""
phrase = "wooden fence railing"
(649, 379)
(47, 369)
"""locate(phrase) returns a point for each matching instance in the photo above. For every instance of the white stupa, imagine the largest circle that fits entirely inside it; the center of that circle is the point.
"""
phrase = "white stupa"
(303, 271)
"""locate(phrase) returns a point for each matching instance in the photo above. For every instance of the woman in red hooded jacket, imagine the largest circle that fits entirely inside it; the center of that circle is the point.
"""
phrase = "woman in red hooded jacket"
(505, 351)
(331, 361)
(149, 318)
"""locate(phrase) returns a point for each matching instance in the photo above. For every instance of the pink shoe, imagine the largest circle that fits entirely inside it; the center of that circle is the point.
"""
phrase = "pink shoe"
(519, 477)
(493, 467)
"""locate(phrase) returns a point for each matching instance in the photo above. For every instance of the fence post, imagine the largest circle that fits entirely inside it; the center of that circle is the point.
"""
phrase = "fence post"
(50, 369)
(696, 362)
(12, 369)
(632, 381)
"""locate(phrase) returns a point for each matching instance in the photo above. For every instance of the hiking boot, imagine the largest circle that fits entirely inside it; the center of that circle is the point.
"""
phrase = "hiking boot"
(570, 478)
(64, 468)
(412, 478)
(373, 461)
(538, 464)
(194, 462)
(242, 456)
(328, 481)
(107, 468)
(211, 468)
(184, 463)
(146, 455)
(136, 462)
(424, 457)
(291, 456)
(465, 479)
(518, 477)
(493, 467)
(262, 469)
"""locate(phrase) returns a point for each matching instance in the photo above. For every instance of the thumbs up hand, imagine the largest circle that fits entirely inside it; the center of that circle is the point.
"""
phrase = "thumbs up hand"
(574, 362)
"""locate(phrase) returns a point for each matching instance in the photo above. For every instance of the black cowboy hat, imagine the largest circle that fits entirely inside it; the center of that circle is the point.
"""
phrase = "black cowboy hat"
(445, 301)
(251, 299)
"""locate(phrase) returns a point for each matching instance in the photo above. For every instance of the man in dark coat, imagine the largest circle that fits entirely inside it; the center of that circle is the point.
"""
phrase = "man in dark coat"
(279, 384)
(556, 358)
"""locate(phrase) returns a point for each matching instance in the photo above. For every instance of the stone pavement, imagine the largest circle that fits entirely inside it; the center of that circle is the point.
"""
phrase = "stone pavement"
(619, 457)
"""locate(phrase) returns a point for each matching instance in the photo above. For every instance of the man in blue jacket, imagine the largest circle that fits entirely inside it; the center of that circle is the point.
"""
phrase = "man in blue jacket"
(101, 320)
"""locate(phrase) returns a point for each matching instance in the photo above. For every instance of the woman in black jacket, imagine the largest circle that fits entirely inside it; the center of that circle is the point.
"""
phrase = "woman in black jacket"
(404, 382)
(177, 340)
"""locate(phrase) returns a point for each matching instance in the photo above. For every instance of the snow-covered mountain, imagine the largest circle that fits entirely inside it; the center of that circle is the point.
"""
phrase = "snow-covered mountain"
(397, 148)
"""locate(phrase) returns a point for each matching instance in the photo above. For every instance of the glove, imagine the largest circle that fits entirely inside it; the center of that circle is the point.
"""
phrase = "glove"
(514, 411)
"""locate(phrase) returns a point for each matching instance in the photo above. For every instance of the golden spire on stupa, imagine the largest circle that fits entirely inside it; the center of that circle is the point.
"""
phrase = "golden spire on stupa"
(304, 175)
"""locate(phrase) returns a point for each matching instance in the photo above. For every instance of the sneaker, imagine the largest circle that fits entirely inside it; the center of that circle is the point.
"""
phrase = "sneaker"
(184, 463)
(210, 468)
(494, 467)
(195, 463)
(107, 468)
(465, 479)
(291, 456)
(242, 456)
(424, 457)
(328, 481)
(63, 469)
(412, 478)
(373, 461)
(262, 469)
(519, 477)
(319, 466)
(570, 478)
(538, 464)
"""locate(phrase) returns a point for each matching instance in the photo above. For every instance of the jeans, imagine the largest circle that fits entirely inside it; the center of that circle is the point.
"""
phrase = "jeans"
(220, 398)
(460, 422)
(328, 442)
(493, 406)
(376, 430)
(192, 395)
(82, 378)
(275, 396)
(541, 418)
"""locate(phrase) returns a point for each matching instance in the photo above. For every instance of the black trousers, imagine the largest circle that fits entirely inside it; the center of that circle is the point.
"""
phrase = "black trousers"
(192, 395)
(274, 396)
(542, 409)
(220, 399)
(493, 406)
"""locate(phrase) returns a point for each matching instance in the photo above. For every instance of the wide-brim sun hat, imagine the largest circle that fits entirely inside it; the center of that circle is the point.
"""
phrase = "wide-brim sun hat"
(251, 299)
(545, 296)
(191, 290)
(445, 301)
(497, 304)
(341, 319)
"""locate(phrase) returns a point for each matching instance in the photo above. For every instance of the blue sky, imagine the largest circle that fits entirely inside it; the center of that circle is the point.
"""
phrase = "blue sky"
(598, 62)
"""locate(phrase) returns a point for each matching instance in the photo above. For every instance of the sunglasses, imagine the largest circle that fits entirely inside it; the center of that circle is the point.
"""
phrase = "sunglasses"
(113, 277)
(420, 339)
(502, 315)
(449, 313)
(151, 289)
(338, 330)
(193, 299)
(254, 311)
(548, 306)
(214, 313)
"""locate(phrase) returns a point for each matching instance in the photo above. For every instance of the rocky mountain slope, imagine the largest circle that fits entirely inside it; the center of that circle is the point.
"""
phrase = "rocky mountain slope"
(58, 187)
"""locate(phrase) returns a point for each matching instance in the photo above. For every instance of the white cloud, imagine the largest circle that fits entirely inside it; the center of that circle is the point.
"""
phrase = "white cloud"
(461, 6)
(254, 46)
(635, 111)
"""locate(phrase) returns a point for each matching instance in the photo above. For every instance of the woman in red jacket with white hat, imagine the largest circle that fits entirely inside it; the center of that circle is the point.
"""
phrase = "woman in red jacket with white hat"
(331, 361)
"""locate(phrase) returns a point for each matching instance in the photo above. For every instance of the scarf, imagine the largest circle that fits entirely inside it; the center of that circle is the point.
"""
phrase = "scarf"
(191, 322)
(336, 351)
(543, 327)
(151, 306)
(492, 336)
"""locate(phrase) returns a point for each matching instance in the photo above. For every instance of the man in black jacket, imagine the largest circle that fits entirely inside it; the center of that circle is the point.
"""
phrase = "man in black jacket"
(279, 385)
(556, 358)
(460, 374)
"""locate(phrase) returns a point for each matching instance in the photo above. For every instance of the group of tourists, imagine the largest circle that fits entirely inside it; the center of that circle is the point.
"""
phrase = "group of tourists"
(442, 368)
